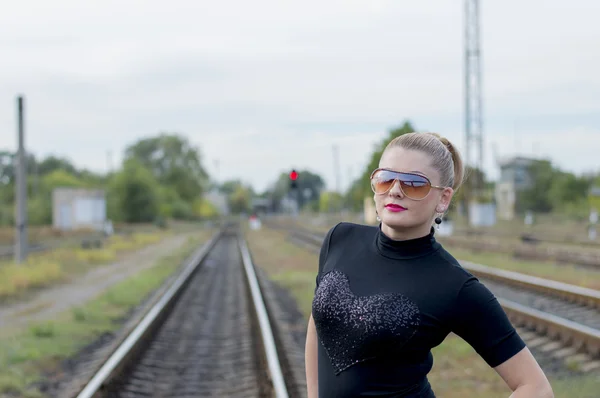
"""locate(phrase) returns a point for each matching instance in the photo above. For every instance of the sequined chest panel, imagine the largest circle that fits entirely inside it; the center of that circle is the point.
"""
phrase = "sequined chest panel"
(354, 329)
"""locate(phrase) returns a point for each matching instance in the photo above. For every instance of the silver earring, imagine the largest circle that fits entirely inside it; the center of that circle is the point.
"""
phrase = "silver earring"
(378, 219)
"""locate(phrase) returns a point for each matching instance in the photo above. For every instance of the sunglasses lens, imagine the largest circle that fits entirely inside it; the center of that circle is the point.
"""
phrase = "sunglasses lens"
(382, 181)
(413, 186)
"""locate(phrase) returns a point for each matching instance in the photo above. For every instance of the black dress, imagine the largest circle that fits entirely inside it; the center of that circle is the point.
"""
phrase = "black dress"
(381, 305)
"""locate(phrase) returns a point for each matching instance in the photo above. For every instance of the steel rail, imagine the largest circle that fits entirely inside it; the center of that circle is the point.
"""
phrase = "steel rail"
(568, 331)
(269, 344)
(114, 363)
(568, 291)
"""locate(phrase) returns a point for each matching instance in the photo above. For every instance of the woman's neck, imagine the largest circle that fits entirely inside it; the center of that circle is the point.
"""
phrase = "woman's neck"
(405, 233)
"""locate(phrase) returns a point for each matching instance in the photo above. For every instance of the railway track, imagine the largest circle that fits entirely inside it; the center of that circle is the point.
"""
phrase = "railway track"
(560, 254)
(528, 236)
(559, 321)
(210, 334)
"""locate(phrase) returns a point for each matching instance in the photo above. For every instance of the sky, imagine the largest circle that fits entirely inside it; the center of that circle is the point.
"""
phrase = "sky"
(265, 86)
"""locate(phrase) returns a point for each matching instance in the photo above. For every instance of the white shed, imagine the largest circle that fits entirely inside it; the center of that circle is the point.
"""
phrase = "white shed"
(78, 208)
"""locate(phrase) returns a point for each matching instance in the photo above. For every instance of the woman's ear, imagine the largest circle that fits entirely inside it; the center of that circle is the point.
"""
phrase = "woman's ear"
(446, 197)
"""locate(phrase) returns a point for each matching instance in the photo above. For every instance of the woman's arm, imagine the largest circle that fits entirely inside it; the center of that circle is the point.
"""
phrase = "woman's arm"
(481, 321)
(524, 376)
(310, 359)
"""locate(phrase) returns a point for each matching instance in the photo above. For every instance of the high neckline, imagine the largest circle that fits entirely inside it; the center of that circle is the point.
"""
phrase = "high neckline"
(405, 249)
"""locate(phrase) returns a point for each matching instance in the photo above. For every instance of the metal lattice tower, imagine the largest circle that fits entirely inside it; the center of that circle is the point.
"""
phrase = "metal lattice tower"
(473, 89)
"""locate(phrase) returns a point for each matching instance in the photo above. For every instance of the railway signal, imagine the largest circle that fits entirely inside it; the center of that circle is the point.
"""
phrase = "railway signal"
(293, 179)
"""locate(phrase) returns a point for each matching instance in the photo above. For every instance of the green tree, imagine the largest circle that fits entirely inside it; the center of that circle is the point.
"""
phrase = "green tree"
(240, 200)
(552, 189)
(8, 163)
(229, 187)
(52, 163)
(239, 196)
(182, 210)
(93, 179)
(174, 162)
(310, 185)
(204, 209)
(61, 178)
(167, 197)
(567, 188)
(39, 210)
(471, 178)
(135, 193)
(535, 197)
(330, 202)
(7, 171)
(593, 199)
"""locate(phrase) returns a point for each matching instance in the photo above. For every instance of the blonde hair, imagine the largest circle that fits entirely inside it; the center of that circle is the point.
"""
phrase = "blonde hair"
(445, 157)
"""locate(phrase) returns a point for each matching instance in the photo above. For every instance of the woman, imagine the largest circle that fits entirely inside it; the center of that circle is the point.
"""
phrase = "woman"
(386, 295)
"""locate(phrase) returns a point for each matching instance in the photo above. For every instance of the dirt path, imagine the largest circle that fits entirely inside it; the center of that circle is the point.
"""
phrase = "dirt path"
(48, 302)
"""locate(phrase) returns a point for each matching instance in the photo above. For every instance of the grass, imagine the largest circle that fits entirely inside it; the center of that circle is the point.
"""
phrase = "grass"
(553, 226)
(291, 266)
(513, 241)
(458, 370)
(47, 233)
(47, 268)
(40, 233)
(26, 354)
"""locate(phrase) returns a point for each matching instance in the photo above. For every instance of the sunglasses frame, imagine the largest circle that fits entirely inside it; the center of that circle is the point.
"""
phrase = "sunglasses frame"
(396, 180)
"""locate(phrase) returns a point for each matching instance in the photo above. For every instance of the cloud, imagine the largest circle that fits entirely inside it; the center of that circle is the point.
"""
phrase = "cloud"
(275, 84)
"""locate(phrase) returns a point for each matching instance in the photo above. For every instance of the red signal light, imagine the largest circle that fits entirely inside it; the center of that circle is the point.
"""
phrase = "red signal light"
(293, 175)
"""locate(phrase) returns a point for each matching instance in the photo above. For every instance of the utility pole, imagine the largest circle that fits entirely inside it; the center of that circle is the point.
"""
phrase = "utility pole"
(109, 165)
(336, 167)
(36, 181)
(347, 199)
(516, 137)
(21, 194)
(216, 163)
(473, 100)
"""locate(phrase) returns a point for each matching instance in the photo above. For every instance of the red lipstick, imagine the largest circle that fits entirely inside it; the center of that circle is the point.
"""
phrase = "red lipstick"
(394, 207)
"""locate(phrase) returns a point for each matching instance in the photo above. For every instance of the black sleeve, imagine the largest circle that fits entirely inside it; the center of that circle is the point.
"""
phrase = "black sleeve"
(480, 321)
(323, 253)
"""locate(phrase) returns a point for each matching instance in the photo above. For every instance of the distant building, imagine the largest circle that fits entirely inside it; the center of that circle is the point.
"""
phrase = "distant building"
(261, 205)
(514, 177)
(78, 208)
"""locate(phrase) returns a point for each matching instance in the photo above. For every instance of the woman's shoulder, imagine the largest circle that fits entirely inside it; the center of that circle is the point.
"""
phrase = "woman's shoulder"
(345, 231)
(340, 237)
(453, 266)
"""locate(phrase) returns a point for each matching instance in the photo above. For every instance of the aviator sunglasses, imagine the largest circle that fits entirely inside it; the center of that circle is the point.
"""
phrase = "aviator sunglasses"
(413, 186)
